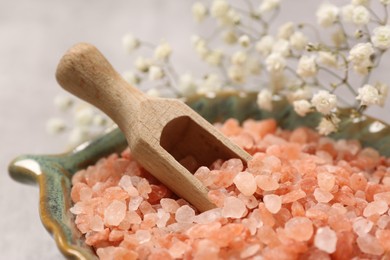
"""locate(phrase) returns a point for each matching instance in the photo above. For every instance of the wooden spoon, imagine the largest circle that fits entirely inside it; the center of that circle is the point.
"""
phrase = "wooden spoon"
(161, 133)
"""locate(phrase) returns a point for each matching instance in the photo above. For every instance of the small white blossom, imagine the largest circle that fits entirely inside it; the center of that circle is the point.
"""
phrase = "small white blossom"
(163, 51)
(211, 83)
(239, 58)
(301, 93)
(298, 41)
(84, 116)
(155, 73)
(253, 66)
(281, 46)
(78, 135)
(383, 90)
(131, 77)
(199, 11)
(347, 12)
(214, 57)
(286, 30)
(264, 99)
(244, 41)
(324, 102)
(368, 95)
(55, 126)
(229, 37)
(328, 126)
(385, 2)
(237, 74)
(231, 18)
(264, 46)
(360, 2)
(381, 37)
(269, 5)
(275, 62)
(219, 8)
(130, 43)
(63, 103)
(360, 55)
(187, 84)
(327, 58)
(302, 107)
(200, 46)
(327, 14)
(360, 15)
(142, 64)
(307, 66)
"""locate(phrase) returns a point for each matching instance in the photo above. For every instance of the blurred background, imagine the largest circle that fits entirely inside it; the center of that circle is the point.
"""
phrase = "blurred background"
(33, 37)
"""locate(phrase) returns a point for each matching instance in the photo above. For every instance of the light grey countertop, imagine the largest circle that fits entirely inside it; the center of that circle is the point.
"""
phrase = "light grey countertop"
(33, 36)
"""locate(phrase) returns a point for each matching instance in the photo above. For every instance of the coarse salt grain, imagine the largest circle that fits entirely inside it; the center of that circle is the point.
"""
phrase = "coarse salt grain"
(375, 207)
(185, 214)
(266, 182)
(114, 213)
(322, 196)
(370, 245)
(326, 181)
(299, 228)
(245, 183)
(233, 208)
(362, 226)
(326, 239)
(273, 203)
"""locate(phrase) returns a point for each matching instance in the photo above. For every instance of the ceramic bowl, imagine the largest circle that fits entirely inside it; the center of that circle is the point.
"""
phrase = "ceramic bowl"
(53, 173)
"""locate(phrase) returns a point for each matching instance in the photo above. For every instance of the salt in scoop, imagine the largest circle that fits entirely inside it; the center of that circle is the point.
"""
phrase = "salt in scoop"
(160, 132)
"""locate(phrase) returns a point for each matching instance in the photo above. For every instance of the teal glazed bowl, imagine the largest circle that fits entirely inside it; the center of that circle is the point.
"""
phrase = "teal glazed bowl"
(53, 173)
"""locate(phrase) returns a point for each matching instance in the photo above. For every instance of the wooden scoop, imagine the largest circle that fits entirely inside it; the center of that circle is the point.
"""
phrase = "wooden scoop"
(160, 132)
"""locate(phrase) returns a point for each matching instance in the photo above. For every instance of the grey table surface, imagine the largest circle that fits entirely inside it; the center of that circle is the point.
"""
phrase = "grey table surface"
(33, 36)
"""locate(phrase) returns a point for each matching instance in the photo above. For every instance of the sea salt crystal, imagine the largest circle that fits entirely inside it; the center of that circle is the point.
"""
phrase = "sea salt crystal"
(370, 245)
(208, 216)
(143, 236)
(169, 205)
(163, 218)
(96, 223)
(326, 181)
(245, 183)
(144, 188)
(126, 184)
(299, 228)
(375, 207)
(383, 221)
(293, 195)
(135, 202)
(362, 226)
(325, 239)
(85, 193)
(114, 213)
(322, 196)
(233, 208)
(273, 203)
(385, 196)
(266, 182)
(250, 251)
(77, 208)
(178, 249)
(185, 214)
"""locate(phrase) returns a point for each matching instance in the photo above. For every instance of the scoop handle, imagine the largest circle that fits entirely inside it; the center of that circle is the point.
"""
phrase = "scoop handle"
(86, 73)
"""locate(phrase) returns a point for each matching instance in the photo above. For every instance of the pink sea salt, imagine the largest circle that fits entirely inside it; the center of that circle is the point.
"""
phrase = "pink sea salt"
(245, 183)
(370, 245)
(185, 214)
(115, 213)
(233, 208)
(299, 228)
(266, 182)
(326, 239)
(375, 207)
(273, 203)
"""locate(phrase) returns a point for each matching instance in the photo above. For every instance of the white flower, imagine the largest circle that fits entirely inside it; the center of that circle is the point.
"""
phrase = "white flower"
(130, 43)
(199, 11)
(211, 83)
(307, 66)
(239, 58)
(63, 103)
(360, 15)
(381, 37)
(253, 66)
(269, 5)
(360, 2)
(230, 18)
(237, 74)
(264, 46)
(187, 84)
(244, 41)
(155, 73)
(324, 102)
(281, 46)
(327, 14)
(84, 116)
(328, 126)
(301, 93)
(298, 41)
(219, 8)
(368, 95)
(131, 77)
(275, 62)
(200, 46)
(286, 30)
(264, 99)
(327, 58)
(302, 107)
(383, 90)
(229, 37)
(360, 56)
(385, 2)
(163, 51)
(347, 12)
(55, 126)
(142, 64)
(214, 57)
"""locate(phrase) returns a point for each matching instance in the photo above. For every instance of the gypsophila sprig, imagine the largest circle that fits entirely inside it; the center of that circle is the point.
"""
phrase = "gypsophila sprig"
(307, 64)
